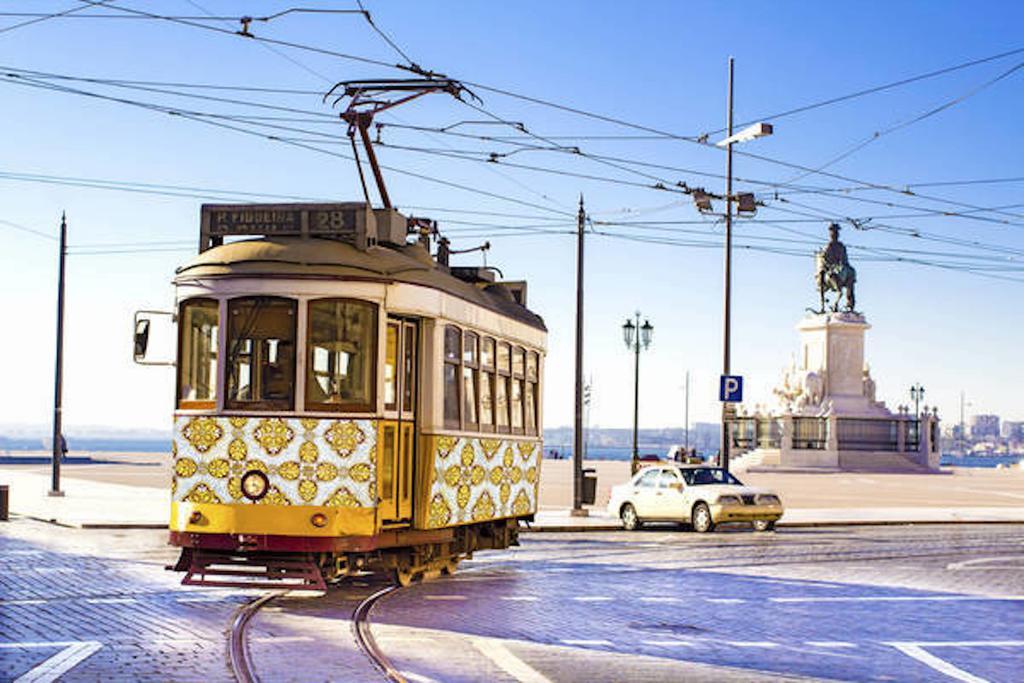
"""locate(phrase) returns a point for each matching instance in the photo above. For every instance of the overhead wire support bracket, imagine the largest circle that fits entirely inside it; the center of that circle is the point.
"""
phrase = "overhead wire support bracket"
(369, 98)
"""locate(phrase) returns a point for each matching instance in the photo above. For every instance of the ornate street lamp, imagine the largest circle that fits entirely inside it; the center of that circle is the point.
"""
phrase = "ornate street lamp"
(635, 343)
(917, 395)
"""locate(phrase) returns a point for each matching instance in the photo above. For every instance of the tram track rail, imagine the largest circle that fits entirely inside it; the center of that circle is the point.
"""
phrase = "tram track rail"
(240, 657)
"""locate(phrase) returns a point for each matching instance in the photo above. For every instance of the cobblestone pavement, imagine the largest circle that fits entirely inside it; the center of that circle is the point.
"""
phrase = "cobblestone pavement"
(929, 603)
(98, 605)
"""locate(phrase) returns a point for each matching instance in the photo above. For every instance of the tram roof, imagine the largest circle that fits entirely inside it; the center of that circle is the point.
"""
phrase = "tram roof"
(298, 257)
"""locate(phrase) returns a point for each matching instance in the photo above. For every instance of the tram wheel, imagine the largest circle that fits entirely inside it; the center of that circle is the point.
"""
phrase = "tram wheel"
(404, 576)
(449, 567)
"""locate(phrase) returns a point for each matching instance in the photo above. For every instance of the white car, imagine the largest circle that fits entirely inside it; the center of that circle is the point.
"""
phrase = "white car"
(702, 496)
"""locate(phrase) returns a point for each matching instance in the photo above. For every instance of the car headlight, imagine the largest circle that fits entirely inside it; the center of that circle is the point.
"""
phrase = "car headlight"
(729, 500)
(768, 499)
(255, 485)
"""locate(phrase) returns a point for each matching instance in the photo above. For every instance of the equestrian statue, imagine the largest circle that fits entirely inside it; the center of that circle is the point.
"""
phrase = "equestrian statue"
(834, 272)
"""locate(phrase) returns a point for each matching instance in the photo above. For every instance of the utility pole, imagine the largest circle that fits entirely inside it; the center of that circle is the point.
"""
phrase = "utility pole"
(686, 412)
(58, 436)
(727, 307)
(577, 437)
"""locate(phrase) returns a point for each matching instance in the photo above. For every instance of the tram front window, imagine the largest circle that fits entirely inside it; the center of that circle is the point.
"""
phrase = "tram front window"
(197, 354)
(261, 353)
(341, 360)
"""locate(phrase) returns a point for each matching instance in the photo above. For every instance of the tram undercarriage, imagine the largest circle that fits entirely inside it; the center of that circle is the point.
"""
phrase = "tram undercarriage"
(302, 563)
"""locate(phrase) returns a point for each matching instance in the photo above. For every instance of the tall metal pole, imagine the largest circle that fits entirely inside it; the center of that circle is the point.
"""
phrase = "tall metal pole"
(577, 437)
(963, 436)
(686, 411)
(58, 439)
(635, 464)
(727, 325)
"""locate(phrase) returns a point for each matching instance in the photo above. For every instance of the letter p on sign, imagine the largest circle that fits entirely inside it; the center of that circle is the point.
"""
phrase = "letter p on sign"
(730, 389)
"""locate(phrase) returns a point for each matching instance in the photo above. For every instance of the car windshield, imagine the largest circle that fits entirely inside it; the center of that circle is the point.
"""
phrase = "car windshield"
(709, 475)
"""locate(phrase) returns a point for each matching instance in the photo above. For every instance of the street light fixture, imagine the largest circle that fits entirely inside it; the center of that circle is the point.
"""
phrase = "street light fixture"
(917, 395)
(636, 342)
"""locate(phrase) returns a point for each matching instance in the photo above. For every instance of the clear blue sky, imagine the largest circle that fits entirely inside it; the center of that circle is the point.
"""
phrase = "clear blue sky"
(661, 65)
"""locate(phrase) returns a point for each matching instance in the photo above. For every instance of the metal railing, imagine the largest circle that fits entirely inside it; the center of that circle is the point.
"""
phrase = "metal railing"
(768, 432)
(810, 433)
(862, 434)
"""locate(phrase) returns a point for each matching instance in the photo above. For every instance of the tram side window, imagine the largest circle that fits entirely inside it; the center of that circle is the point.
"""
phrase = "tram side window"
(341, 356)
(197, 353)
(261, 353)
(452, 356)
(530, 395)
(487, 384)
(469, 379)
(518, 368)
(501, 390)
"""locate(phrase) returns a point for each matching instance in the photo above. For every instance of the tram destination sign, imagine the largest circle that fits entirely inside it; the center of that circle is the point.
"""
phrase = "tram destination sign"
(354, 222)
(283, 219)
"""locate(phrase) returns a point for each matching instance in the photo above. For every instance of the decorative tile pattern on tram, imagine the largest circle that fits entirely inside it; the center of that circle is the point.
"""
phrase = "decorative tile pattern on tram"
(308, 461)
(476, 479)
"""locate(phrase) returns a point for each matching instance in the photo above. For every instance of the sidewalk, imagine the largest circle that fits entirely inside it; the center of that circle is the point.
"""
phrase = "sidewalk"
(87, 504)
(100, 504)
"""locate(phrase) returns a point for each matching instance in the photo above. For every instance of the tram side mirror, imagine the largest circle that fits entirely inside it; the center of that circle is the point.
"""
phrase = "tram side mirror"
(144, 333)
(141, 338)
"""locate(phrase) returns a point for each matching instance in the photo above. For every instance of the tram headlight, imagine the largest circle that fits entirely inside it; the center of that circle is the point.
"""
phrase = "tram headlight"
(255, 485)
(319, 520)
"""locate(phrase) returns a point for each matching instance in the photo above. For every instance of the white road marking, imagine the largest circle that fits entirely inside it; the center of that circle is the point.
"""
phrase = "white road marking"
(984, 563)
(445, 597)
(22, 602)
(111, 601)
(508, 662)
(520, 598)
(587, 642)
(904, 598)
(201, 598)
(669, 643)
(416, 678)
(751, 643)
(725, 601)
(659, 599)
(592, 598)
(56, 666)
(940, 665)
(829, 643)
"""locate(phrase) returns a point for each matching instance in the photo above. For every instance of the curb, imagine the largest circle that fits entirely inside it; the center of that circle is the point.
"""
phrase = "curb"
(570, 528)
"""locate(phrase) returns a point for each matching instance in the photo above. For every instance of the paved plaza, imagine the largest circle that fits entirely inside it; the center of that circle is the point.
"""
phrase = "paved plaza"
(934, 603)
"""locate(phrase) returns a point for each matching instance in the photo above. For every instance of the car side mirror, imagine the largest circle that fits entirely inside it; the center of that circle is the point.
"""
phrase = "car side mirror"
(678, 487)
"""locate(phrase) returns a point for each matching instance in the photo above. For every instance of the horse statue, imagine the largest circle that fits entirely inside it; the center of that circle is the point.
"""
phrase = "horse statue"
(833, 273)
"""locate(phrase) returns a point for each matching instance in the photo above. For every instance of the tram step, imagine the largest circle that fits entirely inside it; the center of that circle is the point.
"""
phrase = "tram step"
(233, 570)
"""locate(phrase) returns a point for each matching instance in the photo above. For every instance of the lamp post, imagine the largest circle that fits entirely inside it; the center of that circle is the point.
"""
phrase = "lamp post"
(637, 337)
(917, 395)
(745, 205)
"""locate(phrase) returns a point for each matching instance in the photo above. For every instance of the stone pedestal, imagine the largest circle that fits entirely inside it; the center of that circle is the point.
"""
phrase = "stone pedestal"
(829, 376)
(829, 416)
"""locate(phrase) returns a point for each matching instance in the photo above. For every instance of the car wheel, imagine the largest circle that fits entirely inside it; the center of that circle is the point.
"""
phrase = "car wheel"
(702, 522)
(763, 525)
(630, 521)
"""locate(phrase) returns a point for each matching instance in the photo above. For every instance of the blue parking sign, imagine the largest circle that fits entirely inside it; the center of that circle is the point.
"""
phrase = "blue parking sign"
(730, 389)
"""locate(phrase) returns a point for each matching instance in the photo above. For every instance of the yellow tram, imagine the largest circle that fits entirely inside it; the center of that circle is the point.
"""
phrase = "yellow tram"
(346, 400)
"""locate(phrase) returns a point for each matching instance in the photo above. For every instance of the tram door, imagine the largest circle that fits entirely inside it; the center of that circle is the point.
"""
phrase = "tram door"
(397, 450)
